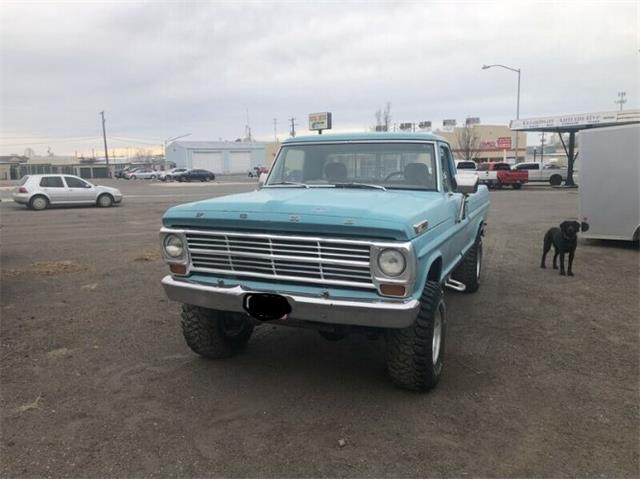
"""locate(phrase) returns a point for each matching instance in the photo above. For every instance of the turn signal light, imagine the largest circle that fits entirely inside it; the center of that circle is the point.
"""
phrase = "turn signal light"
(393, 290)
(178, 269)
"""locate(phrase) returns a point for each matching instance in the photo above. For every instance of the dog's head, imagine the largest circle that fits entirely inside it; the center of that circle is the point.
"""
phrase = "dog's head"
(570, 228)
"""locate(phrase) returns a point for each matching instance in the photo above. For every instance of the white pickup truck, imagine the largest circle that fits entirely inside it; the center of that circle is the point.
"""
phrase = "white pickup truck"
(549, 172)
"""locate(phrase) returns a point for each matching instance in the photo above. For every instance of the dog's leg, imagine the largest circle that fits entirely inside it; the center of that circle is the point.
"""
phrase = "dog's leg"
(562, 263)
(569, 271)
(555, 260)
(545, 250)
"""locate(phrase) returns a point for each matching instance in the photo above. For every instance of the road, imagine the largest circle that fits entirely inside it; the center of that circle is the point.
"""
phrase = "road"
(542, 375)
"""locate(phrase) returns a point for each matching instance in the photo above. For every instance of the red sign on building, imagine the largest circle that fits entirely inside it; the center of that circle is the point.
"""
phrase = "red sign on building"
(504, 143)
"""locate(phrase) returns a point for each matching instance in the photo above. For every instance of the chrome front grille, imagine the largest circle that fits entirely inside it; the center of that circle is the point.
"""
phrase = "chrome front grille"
(288, 258)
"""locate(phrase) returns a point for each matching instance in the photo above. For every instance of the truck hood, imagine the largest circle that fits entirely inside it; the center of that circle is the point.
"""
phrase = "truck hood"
(380, 214)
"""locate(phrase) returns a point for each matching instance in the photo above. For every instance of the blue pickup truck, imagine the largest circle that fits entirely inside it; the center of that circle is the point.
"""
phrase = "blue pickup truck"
(348, 233)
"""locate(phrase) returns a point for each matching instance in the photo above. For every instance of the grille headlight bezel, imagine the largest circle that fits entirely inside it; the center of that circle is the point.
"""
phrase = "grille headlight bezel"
(406, 277)
(174, 238)
(392, 262)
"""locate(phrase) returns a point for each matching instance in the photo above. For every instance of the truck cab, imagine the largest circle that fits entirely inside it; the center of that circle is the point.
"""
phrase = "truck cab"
(354, 233)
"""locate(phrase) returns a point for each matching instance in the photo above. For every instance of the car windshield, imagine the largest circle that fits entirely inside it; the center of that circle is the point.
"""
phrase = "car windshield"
(356, 165)
(466, 166)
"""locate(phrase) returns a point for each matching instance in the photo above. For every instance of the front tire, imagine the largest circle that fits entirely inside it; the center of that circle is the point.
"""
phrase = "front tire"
(555, 180)
(415, 354)
(517, 186)
(105, 200)
(215, 334)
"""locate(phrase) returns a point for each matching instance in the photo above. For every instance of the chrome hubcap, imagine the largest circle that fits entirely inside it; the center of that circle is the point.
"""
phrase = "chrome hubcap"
(39, 203)
(437, 336)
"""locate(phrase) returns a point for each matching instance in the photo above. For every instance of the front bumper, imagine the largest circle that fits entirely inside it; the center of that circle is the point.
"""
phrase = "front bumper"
(383, 314)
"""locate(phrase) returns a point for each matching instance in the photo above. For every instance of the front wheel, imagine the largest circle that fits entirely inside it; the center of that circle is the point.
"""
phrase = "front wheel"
(415, 354)
(105, 200)
(213, 333)
(555, 180)
(517, 186)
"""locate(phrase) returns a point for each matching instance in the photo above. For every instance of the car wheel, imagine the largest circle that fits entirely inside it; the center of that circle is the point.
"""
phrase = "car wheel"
(105, 200)
(132, 177)
(215, 334)
(415, 354)
(38, 202)
(517, 186)
(470, 268)
(555, 180)
(153, 177)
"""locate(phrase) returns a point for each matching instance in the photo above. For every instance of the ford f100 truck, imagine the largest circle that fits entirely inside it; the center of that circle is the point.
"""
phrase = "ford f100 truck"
(348, 233)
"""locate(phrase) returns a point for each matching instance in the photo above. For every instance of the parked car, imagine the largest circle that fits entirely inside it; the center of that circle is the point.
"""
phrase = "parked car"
(40, 191)
(256, 171)
(142, 174)
(549, 172)
(194, 175)
(498, 174)
(364, 242)
(466, 165)
(168, 175)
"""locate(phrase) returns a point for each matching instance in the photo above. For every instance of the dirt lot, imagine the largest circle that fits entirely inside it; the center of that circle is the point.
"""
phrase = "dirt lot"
(542, 375)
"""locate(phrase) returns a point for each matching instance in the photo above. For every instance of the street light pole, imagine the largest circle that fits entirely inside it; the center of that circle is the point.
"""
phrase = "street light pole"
(164, 151)
(517, 70)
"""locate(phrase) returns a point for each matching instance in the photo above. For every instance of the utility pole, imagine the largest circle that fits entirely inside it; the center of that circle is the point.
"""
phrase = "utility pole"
(275, 130)
(104, 136)
(542, 149)
(293, 126)
(621, 99)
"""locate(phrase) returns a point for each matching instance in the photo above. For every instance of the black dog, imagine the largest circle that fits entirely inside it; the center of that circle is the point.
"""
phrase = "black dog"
(564, 240)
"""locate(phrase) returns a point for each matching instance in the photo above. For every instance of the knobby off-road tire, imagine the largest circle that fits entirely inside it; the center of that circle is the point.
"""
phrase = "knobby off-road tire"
(415, 355)
(470, 268)
(214, 334)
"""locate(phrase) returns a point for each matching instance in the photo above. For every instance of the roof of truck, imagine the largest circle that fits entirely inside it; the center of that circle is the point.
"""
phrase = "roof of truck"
(358, 137)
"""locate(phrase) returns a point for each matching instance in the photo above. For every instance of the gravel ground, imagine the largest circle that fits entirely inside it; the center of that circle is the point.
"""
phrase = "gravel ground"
(542, 372)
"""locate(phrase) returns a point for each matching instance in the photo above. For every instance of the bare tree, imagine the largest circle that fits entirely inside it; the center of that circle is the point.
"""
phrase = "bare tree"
(383, 118)
(468, 142)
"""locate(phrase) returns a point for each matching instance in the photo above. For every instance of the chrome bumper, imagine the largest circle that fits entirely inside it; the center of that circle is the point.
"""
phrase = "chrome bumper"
(398, 314)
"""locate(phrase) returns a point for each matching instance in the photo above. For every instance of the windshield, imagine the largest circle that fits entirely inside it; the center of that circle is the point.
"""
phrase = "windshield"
(389, 165)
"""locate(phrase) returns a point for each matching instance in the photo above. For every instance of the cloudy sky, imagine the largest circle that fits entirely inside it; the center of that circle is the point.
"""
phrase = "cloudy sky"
(161, 69)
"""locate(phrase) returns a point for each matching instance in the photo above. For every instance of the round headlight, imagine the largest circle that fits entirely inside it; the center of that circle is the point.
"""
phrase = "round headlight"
(173, 246)
(391, 262)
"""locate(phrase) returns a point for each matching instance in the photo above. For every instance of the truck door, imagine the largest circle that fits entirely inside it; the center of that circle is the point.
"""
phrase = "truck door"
(453, 203)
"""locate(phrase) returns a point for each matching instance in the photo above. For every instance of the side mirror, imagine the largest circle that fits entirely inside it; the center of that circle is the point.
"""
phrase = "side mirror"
(467, 183)
(262, 179)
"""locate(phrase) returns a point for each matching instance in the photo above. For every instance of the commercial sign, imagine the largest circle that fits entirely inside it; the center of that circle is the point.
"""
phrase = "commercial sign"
(504, 143)
(578, 120)
(424, 125)
(320, 121)
(472, 120)
(449, 123)
(406, 126)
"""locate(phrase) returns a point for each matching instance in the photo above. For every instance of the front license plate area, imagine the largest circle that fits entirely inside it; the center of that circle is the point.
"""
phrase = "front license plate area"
(266, 306)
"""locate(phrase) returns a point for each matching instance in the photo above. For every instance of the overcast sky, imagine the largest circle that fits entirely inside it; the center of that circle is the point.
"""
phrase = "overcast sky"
(162, 69)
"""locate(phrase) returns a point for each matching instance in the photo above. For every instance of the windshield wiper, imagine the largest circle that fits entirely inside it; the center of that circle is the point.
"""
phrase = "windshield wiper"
(359, 185)
(295, 184)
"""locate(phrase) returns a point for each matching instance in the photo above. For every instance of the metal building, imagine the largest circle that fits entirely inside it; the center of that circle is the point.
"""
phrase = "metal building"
(217, 157)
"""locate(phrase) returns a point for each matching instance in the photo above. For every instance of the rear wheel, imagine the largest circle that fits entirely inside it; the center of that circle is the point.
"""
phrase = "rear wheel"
(470, 268)
(415, 355)
(132, 177)
(517, 186)
(215, 334)
(38, 202)
(555, 180)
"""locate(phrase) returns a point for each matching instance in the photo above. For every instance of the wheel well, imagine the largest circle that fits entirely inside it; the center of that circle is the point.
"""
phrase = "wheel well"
(435, 270)
(39, 195)
(636, 234)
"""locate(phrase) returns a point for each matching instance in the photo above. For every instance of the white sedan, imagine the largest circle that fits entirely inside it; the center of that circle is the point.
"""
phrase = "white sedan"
(40, 191)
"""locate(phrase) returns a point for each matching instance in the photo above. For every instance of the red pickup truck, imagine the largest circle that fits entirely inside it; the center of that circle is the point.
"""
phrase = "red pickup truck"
(497, 174)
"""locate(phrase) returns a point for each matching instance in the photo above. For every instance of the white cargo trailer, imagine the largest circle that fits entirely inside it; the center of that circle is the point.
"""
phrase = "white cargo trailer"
(609, 193)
